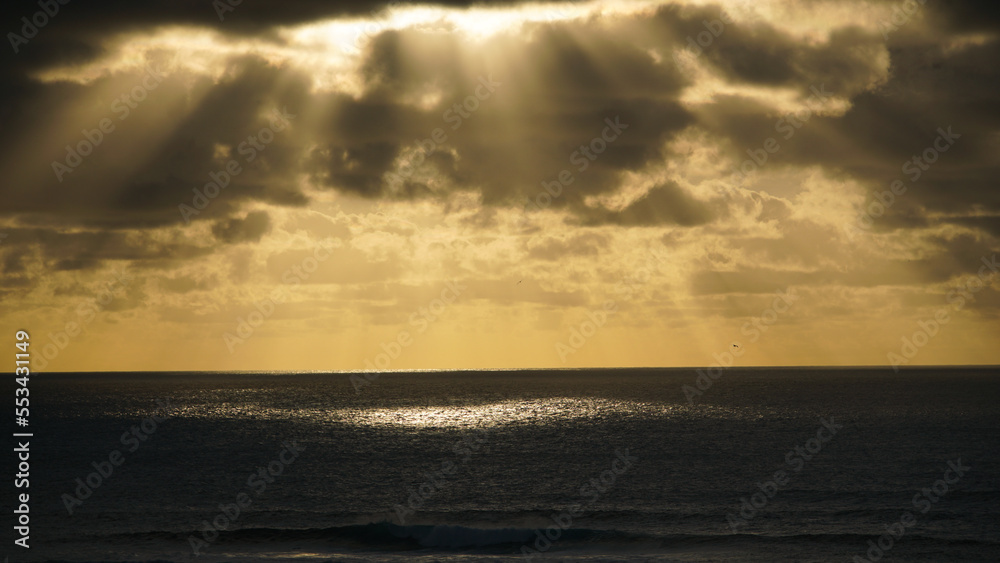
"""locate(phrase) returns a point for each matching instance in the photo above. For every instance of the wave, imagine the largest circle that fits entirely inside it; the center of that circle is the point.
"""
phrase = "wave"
(387, 535)
(393, 537)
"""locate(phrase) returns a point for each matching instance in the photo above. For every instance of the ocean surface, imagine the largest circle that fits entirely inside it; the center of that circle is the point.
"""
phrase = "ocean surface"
(809, 465)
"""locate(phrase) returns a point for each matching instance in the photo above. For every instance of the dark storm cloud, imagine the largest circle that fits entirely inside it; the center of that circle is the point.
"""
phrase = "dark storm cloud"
(567, 91)
(13, 262)
(140, 172)
(28, 255)
(111, 16)
(248, 229)
(514, 120)
(96, 246)
(988, 224)
(358, 168)
(966, 15)
(557, 87)
(759, 53)
(78, 30)
(664, 204)
(931, 88)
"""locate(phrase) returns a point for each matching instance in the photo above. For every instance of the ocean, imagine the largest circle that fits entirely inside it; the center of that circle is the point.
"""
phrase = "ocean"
(761, 464)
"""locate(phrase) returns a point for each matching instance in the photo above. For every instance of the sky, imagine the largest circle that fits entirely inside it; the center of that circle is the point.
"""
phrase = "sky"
(307, 185)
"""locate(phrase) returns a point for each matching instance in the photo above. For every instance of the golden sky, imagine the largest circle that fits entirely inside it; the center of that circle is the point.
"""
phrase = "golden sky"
(408, 186)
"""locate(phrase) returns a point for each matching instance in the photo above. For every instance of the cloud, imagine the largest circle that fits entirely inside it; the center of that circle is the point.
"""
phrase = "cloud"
(413, 144)
(665, 204)
(248, 229)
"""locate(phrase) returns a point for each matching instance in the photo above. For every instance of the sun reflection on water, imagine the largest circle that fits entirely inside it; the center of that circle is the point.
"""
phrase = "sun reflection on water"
(528, 411)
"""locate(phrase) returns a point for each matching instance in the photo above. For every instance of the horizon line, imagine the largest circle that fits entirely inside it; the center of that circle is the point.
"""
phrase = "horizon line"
(445, 370)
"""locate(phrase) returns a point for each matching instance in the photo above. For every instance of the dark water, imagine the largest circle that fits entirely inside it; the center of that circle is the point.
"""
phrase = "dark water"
(480, 466)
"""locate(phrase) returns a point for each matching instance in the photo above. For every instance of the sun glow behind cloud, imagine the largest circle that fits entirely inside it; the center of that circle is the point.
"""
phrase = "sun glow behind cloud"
(327, 47)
